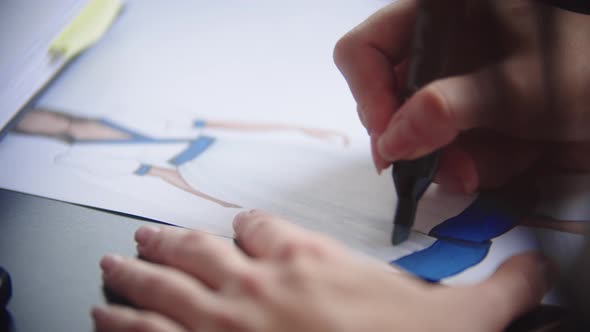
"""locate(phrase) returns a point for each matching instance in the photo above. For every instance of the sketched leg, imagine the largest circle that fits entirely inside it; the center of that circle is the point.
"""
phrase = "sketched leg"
(173, 177)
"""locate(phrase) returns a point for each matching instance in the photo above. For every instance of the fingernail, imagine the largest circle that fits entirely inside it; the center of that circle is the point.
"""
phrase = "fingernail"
(377, 161)
(379, 164)
(109, 262)
(363, 119)
(378, 169)
(376, 164)
(391, 150)
(145, 233)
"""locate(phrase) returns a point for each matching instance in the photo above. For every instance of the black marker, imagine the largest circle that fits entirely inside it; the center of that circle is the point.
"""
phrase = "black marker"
(430, 44)
(411, 179)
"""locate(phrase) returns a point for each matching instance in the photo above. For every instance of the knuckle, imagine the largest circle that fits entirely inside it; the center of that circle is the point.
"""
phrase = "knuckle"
(297, 271)
(415, 130)
(192, 237)
(528, 96)
(179, 248)
(522, 77)
(433, 121)
(289, 251)
(152, 283)
(517, 83)
(251, 282)
(521, 80)
(316, 247)
(261, 229)
(436, 102)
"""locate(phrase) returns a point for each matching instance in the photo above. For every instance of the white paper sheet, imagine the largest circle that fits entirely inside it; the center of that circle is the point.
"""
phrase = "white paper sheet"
(164, 66)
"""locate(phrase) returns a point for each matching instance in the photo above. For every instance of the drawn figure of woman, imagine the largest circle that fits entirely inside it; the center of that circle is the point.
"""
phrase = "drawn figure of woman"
(205, 166)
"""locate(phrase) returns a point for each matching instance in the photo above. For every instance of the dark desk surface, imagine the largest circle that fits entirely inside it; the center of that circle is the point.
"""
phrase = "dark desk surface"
(51, 250)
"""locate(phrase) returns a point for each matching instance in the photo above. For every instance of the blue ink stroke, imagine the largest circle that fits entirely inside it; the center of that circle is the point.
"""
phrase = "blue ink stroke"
(196, 148)
(462, 241)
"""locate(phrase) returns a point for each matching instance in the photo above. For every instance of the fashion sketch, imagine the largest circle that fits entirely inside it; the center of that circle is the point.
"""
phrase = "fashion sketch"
(184, 169)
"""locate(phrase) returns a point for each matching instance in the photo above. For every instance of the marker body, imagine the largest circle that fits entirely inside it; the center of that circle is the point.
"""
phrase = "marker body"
(411, 179)
(427, 61)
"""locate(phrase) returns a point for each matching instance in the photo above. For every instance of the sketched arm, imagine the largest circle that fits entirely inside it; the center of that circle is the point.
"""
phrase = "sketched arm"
(173, 177)
(322, 134)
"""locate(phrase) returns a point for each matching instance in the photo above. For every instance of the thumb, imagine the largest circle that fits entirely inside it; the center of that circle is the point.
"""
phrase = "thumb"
(436, 114)
(514, 289)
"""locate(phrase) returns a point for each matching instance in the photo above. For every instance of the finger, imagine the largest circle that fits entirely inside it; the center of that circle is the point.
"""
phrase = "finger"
(120, 319)
(367, 56)
(484, 160)
(380, 163)
(456, 170)
(263, 235)
(515, 288)
(158, 288)
(210, 259)
(439, 112)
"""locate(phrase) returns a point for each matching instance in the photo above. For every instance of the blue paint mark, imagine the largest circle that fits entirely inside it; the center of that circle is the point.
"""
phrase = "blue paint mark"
(463, 241)
(143, 169)
(483, 220)
(197, 147)
(199, 124)
(444, 259)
